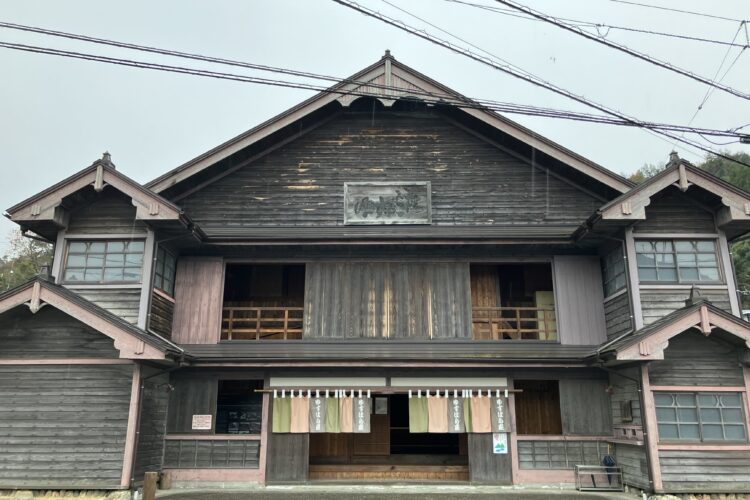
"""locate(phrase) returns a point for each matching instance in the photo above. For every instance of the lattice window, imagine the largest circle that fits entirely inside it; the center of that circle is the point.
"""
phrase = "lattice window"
(677, 261)
(700, 416)
(106, 261)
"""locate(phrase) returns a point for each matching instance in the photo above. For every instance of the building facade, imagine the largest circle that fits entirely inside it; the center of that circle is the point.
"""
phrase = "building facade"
(381, 283)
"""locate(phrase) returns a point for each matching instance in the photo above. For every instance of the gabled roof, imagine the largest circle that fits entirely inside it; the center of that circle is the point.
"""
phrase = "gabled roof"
(131, 341)
(387, 80)
(631, 206)
(45, 209)
(649, 342)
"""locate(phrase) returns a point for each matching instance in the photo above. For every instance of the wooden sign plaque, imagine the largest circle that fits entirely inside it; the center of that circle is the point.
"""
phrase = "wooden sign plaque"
(387, 203)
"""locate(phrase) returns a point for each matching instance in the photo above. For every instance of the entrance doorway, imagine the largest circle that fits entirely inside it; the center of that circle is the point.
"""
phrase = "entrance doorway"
(389, 451)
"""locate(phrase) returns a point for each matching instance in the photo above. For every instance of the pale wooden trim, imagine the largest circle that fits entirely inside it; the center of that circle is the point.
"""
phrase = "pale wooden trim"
(379, 364)
(265, 430)
(634, 281)
(728, 268)
(66, 361)
(622, 291)
(746, 398)
(561, 437)
(514, 458)
(214, 475)
(687, 287)
(651, 430)
(147, 278)
(544, 476)
(695, 388)
(676, 236)
(130, 435)
(704, 447)
(73, 285)
(135, 235)
(214, 437)
(57, 259)
(164, 295)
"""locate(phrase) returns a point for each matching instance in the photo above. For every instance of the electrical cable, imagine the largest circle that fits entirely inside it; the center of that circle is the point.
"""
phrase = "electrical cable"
(701, 14)
(622, 48)
(521, 74)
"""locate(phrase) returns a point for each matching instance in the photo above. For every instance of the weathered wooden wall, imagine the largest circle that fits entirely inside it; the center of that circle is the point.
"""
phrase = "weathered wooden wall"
(484, 465)
(161, 315)
(473, 182)
(199, 295)
(109, 212)
(657, 303)
(63, 426)
(675, 212)
(617, 315)
(213, 454)
(149, 451)
(634, 465)
(387, 300)
(50, 333)
(194, 393)
(287, 456)
(692, 359)
(578, 297)
(705, 471)
(624, 390)
(124, 302)
(585, 407)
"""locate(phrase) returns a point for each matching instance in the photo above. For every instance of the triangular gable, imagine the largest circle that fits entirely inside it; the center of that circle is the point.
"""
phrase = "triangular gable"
(131, 342)
(409, 83)
(631, 206)
(649, 344)
(46, 209)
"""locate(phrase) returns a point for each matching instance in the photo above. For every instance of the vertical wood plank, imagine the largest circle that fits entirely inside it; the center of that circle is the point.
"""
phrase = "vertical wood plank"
(130, 437)
(651, 430)
(199, 292)
(579, 298)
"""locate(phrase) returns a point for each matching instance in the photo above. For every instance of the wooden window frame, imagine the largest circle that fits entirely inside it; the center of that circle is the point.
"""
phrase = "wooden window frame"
(106, 241)
(609, 264)
(674, 252)
(700, 423)
(159, 275)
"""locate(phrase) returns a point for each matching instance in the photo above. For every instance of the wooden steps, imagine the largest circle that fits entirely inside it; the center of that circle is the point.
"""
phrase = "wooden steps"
(389, 472)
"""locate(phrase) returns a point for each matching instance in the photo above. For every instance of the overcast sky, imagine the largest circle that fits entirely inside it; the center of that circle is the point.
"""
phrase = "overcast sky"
(58, 115)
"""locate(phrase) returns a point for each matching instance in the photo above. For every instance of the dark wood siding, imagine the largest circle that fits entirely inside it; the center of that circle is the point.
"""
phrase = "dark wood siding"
(109, 212)
(692, 359)
(50, 333)
(634, 465)
(161, 316)
(473, 182)
(617, 315)
(287, 457)
(194, 394)
(396, 300)
(675, 212)
(578, 298)
(584, 407)
(63, 426)
(124, 302)
(484, 465)
(199, 295)
(624, 390)
(656, 304)
(705, 471)
(152, 425)
(213, 454)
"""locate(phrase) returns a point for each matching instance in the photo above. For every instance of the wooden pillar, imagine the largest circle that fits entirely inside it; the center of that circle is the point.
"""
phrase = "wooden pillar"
(746, 396)
(130, 435)
(265, 428)
(652, 432)
(149, 485)
(513, 434)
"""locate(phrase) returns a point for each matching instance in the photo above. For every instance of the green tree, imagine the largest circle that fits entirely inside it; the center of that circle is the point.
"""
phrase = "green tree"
(647, 171)
(23, 260)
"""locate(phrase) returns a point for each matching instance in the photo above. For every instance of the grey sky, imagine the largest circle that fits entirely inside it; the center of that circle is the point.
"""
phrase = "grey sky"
(58, 115)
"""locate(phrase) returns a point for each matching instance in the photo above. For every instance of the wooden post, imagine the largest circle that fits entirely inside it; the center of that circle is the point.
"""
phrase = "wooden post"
(652, 433)
(149, 485)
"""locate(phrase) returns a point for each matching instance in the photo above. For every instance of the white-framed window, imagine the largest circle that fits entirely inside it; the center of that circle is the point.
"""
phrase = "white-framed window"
(700, 416)
(677, 261)
(104, 261)
(164, 270)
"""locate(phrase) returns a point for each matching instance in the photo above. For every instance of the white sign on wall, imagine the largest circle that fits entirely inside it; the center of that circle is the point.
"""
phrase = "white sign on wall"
(202, 423)
(500, 443)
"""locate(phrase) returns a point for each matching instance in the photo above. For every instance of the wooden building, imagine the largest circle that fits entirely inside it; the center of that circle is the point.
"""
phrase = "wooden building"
(399, 267)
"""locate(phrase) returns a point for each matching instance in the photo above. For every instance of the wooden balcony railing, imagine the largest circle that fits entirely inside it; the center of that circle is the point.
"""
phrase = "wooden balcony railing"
(514, 323)
(261, 323)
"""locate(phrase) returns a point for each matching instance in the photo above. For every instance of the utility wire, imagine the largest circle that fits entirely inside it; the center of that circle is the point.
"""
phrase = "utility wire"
(520, 74)
(598, 26)
(623, 48)
(433, 97)
(701, 14)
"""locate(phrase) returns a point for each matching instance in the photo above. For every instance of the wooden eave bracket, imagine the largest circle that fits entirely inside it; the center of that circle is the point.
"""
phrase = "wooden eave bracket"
(37, 296)
(49, 207)
(652, 346)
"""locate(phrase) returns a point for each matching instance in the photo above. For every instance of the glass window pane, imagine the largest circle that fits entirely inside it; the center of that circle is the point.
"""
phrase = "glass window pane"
(647, 274)
(665, 260)
(76, 260)
(96, 247)
(689, 431)
(74, 275)
(689, 273)
(645, 259)
(668, 274)
(135, 246)
(668, 431)
(666, 415)
(134, 259)
(686, 258)
(710, 415)
(709, 274)
(732, 415)
(689, 415)
(644, 246)
(731, 399)
(116, 246)
(706, 246)
(94, 261)
(663, 399)
(663, 246)
(113, 274)
(712, 432)
(685, 400)
(706, 257)
(708, 400)
(132, 274)
(115, 259)
(77, 246)
(734, 432)
(684, 246)
(93, 275)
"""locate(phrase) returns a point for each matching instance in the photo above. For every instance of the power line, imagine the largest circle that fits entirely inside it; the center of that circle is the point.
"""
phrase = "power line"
(433, 97)
(597, 25)
(623, 48)
(701, 14)
(520, 74)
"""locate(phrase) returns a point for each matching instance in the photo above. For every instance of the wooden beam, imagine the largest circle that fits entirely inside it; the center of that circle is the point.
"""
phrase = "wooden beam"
(130, 435)
(65, 361)
(651, 430)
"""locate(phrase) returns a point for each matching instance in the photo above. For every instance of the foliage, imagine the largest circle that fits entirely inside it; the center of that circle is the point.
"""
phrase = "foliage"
(647, 171)
(23, 260)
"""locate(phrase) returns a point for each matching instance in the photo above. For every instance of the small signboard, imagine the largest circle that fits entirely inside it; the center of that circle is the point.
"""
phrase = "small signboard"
(500, 443)
(387, 203)
(202, 423)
